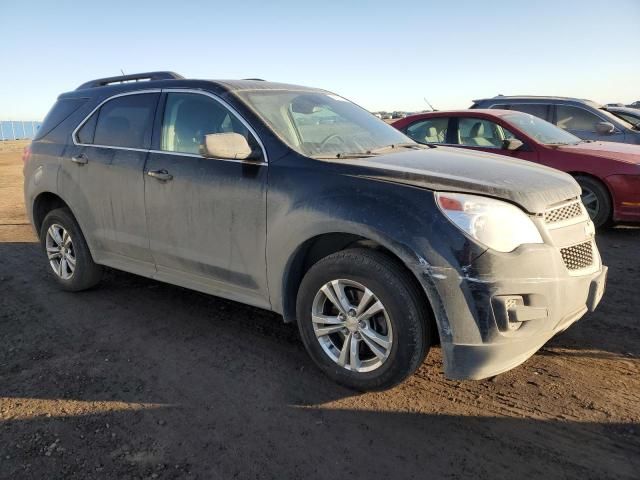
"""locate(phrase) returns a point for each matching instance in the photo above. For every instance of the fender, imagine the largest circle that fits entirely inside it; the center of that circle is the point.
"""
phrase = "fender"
(403, 219)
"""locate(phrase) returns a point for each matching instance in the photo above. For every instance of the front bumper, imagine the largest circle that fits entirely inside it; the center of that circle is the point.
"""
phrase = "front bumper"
(506, 350)
(496, 311)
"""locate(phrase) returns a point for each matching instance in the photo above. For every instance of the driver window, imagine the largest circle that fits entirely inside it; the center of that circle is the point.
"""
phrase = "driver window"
(573, 118)
(188, 117)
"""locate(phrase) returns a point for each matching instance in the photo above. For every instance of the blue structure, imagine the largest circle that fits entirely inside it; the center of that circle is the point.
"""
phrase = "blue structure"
(18, 129)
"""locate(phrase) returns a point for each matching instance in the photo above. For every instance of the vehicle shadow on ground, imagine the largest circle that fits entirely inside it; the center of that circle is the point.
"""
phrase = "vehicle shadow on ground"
(257, 439)
(140, 377)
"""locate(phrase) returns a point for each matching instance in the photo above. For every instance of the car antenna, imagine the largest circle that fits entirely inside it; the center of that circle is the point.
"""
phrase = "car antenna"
(430, 106)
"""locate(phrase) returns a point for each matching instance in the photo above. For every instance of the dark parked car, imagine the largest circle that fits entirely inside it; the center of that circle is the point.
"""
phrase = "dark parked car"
(631, 115)
(375, 245)
(609, 173)
(583, 118)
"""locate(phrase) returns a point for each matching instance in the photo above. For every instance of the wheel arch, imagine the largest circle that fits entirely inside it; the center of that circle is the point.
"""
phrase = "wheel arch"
(323, 245)
(44, 203)
(604, 183)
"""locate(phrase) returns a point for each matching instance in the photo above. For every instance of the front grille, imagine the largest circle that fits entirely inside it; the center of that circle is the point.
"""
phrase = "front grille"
(565, 212)
(578, 256)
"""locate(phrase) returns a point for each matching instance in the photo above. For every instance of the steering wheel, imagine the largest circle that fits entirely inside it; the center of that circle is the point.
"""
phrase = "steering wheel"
(330, 137)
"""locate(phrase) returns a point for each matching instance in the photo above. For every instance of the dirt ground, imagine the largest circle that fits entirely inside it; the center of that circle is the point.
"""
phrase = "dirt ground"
(138, 379)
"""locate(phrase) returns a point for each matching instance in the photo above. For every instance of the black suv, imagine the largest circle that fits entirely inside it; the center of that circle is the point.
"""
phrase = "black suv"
(295, 200)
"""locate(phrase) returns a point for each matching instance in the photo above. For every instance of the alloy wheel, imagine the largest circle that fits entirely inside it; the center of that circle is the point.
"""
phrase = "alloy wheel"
(60, 251)
(591, 202)
(352, 325)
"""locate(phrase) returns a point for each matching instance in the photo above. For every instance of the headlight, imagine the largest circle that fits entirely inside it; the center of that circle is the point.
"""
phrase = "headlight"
(495, 224)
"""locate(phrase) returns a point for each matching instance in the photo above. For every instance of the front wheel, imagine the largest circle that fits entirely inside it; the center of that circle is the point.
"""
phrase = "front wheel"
(363, 319)
(596, 200)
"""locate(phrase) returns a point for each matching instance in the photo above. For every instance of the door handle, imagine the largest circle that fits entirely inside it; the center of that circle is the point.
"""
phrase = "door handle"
(161, 175)
(80, 159)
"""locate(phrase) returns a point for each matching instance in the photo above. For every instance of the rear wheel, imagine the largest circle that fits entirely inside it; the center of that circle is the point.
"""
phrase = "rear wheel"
(67, 252)
(362, 319)
(596, 200)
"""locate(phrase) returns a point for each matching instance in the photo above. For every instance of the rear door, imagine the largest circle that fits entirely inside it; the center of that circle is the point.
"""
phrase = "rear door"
(477, 133)
(102, 179)
(207, 216)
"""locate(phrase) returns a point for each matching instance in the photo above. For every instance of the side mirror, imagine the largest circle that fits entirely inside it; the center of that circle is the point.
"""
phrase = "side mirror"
(232, 146)
(512, 144)
(605, 128)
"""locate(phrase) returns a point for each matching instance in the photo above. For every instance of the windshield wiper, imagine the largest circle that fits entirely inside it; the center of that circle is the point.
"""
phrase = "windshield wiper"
(355, 155)
(377, 151)
(347, 155)
(417, 146)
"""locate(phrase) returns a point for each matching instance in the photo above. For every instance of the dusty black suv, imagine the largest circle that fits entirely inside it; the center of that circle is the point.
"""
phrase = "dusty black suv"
(296, 200)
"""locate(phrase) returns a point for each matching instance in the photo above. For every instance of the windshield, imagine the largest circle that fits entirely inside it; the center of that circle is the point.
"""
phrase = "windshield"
(319, 124)
(615, 118)
(543, 131)
(632, 118)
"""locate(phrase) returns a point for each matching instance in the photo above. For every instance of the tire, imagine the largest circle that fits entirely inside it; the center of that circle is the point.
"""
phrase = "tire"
(596, 199)
(85, 273)
(403, 323)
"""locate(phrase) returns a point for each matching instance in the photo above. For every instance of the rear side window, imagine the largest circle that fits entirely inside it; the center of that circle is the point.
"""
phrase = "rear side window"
(60, 111)
(85, 134)
(536, 109)
(432, 130)
(122, 122)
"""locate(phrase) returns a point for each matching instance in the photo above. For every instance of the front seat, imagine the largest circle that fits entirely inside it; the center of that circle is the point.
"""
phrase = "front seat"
(476, 136)
(432, 135)
(194, 120)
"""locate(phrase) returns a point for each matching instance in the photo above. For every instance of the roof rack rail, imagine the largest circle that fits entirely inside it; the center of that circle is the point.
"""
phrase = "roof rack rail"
(256, 79)
(101, 82)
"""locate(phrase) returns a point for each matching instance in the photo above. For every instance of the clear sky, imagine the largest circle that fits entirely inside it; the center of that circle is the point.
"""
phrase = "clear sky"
(384, 55)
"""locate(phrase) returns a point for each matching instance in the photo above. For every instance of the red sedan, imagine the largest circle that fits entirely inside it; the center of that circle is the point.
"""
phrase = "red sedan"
(609, 173)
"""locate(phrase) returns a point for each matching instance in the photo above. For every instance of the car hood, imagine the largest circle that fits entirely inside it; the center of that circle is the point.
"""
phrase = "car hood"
(532, 186)
(622, 152)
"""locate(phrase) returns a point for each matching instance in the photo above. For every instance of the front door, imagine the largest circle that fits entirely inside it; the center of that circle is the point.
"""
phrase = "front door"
(583, 124)
(206, 216)
(485, 135)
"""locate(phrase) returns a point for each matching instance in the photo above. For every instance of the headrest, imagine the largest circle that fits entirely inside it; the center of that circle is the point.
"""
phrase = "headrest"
(194, 115)
(477, 130)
